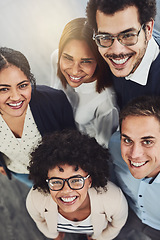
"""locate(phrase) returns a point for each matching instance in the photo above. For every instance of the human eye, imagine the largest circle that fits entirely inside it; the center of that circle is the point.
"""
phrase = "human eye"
(126, 140)
(24, 85)
(67, 58)
(86, 62)
(76, 180)
(3, 90)
(128, 35)
(148, 142)
(55, 182)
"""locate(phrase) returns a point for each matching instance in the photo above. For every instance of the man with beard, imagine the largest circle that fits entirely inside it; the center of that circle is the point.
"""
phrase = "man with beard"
(123, 33)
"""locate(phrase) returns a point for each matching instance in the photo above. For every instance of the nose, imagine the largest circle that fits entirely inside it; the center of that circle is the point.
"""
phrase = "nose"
(15, 95)
(117, 47)
(66, 188)
(76, 68)
(136, 151)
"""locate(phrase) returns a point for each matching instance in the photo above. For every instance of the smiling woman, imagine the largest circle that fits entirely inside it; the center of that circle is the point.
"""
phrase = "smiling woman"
(71, 192)
(84, 76)
(25, 114)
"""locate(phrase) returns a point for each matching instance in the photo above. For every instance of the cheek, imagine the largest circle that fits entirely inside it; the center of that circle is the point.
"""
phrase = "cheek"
(54, 196)
(102, 50)
(63, 66)
(124, 151)
(91, 70)
(28, 96)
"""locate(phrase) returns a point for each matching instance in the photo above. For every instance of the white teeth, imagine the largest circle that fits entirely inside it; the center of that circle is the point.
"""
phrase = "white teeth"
(15, 104)
(69, 199)
(120, 61)
(136, 164)
(75, 78)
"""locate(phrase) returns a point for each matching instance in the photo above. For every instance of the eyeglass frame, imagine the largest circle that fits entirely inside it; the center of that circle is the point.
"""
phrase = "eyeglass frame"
(67, 180)
(114, 37)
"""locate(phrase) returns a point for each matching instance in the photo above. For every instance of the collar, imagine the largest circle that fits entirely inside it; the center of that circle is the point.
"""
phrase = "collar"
(140, 76)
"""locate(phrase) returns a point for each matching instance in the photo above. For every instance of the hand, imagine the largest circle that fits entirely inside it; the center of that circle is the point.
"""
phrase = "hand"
(60, 236)
(3, 171)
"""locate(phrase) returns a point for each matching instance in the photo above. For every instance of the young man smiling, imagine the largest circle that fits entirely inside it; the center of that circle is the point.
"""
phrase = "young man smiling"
(138, 173)
(123, 33)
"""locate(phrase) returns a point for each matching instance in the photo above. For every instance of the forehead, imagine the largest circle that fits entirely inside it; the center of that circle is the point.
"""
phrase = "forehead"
(137, 127)
(119, 21)
(11, 75)
(66, 172)
(77, 48)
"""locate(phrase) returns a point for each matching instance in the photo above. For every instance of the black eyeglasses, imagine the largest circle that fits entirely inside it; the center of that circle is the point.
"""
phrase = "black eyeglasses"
(125, 38)
(75, 182)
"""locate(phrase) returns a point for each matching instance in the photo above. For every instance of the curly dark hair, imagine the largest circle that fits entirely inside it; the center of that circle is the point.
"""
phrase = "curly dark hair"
(79, 29)
(146, 9)
(72, 148)
(9, 56)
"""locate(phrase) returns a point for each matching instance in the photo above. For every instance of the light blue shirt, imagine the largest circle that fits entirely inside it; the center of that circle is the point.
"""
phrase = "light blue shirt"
(143, 195)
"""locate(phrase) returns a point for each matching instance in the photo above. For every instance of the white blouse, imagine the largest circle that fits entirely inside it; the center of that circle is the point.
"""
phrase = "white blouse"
(17, 150)
(95, 113)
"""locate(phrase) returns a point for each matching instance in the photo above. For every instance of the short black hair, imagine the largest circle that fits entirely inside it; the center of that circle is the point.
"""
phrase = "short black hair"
(72, 148)
(146, 9)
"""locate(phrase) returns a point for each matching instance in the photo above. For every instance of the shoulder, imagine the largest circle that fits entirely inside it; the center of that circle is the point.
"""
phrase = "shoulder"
(47, 92)
(37, 200)
(113, 193)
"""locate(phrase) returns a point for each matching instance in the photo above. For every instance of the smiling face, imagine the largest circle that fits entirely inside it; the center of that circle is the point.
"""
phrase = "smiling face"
(140, 145)
(77, 63)
(69, 200)
(15, 92)
(123, 60)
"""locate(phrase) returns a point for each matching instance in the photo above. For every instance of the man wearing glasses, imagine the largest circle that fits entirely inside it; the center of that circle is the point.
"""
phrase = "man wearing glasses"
(123, 33)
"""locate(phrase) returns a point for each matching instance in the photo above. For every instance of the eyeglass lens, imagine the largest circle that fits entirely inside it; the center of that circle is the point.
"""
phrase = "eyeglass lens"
(126, 39)
(74, 183)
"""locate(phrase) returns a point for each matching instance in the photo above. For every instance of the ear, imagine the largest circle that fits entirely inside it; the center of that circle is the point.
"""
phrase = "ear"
(149, 29)
(90, 182)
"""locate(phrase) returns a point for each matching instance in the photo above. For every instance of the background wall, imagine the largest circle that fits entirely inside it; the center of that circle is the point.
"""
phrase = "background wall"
(34, 27)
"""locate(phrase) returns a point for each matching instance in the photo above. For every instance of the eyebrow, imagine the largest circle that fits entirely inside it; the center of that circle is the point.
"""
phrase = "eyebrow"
(125, 31)
(7, 85)
(81, 58)
(143, 138)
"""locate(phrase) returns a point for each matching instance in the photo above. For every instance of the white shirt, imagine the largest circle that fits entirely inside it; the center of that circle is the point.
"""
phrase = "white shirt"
(15, 149)
(140, 76)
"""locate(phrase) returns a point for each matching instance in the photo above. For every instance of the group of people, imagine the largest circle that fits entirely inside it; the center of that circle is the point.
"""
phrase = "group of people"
(88, 146)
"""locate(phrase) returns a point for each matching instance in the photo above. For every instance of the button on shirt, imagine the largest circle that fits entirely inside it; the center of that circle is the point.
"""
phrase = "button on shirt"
(17, 150)
(143, 195)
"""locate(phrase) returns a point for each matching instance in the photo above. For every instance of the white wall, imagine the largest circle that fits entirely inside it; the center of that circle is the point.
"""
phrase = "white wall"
(34, 27)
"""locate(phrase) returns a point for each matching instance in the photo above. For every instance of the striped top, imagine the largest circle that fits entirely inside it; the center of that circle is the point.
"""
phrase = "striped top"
(80, 227)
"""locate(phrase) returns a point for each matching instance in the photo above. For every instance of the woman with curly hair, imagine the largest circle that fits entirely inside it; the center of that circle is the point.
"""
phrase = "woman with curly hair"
(71, 192)
(26, 113)
(80, 71)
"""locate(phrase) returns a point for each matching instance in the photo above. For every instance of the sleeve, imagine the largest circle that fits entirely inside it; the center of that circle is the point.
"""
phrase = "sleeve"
(34, 203)
(3, 164)
(106, 121)
(117, 218)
